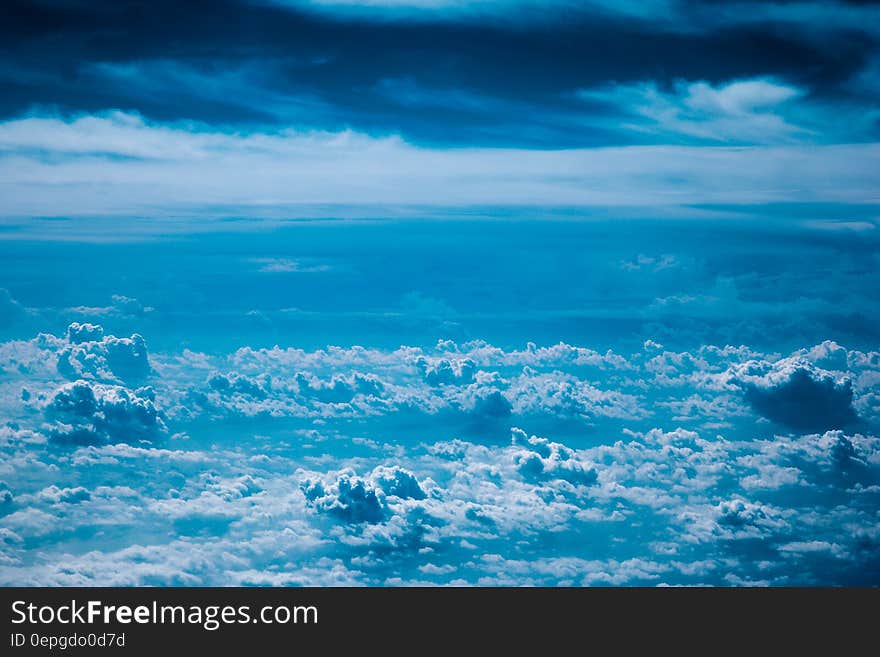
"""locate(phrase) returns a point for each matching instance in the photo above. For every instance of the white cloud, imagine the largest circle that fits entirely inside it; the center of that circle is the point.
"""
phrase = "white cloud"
(117, 162)
(738, 98)
(92, 355)
(638, 500)
(750, 111)
(84, 413)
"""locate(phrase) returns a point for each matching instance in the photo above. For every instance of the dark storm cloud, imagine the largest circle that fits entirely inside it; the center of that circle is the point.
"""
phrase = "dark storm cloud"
(434, 78)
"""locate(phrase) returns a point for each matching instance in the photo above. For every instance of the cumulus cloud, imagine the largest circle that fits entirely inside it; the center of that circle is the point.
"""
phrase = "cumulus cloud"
(298, 394)
(489, 404)
(348, 498)
(738, 514)
(398, 482)
(85, 413)
(441, 371)
(55, 495)
(551, 388)
(563, 395)
(340, 387)
(669, 479)
(804, 400)
(91, 354)
(78, 333)
(355, 499)
(35, 359)
(540, 459)
(234, 383)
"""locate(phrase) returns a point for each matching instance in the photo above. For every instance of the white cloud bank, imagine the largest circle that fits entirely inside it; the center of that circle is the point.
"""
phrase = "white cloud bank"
(691, 483)
(119, 163)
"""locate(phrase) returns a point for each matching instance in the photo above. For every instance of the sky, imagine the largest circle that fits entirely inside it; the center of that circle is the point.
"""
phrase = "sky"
(404, 292)
(259, 105)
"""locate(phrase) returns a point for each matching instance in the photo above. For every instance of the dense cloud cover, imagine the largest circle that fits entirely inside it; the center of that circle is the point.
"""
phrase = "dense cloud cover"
(286, 466)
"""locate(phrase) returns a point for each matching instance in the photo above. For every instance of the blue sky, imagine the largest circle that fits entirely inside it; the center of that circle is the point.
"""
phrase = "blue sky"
(440, 292)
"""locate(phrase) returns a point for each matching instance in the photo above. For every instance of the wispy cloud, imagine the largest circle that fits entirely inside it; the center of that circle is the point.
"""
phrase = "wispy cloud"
(118, 162)
(741, 111)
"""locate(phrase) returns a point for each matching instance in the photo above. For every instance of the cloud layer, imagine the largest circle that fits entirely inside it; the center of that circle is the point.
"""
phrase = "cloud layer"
(285, 466)
(148, 167)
